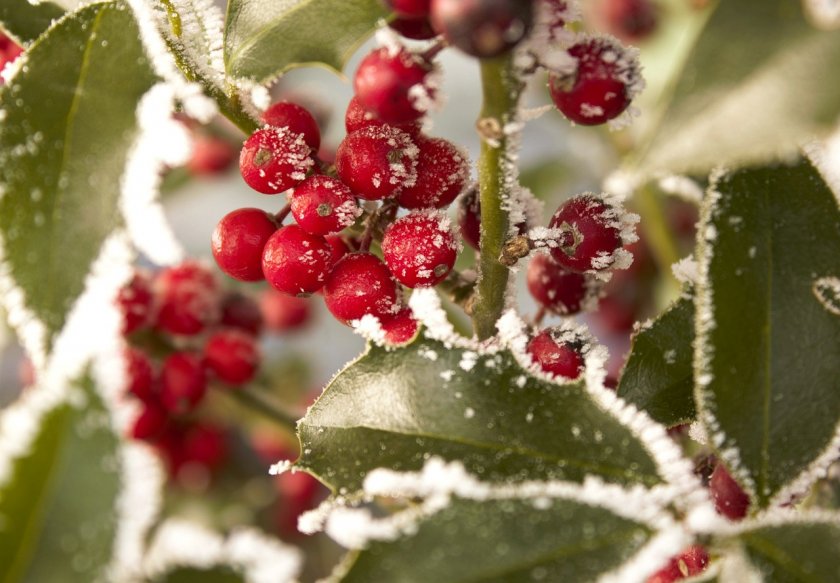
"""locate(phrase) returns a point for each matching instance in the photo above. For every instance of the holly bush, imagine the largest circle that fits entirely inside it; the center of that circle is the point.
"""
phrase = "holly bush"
(161, 435)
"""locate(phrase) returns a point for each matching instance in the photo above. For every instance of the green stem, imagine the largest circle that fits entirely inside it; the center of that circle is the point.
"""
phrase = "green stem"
(501, 96)
(264, 406)
(654, 224)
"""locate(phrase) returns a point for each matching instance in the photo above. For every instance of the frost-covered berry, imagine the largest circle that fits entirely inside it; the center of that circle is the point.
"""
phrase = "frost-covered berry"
(394, 85)
(150, 423)
(139, 373)
(410, 8)
(242, 312)
(420, 248)
(188, 299)
(298, 119)
(358, 285)
(274, 159)
(232, 356)
(630, 20)
(238, 241)
(377, 161)
(561, 291)
(322, 205)
(605, 79)
(284, 313)
(443, 171)
(730, 499)
(588, 233)
(338, 247)
(400, 328)
(295, 262)
(482, 28)
(357, 117)
(558, 352)
(136, 302)
(183, 382)
(211, 155)
(413, 28)
(688, 563)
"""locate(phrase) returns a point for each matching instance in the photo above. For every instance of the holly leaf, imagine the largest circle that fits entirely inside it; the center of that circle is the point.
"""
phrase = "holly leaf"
(69, 123)
(25, 21)
(767, 346)
(804, 549)
(759, 80)
(394, 409)
(504, 540)
(658, 376)
(265, 39)
(58, 500)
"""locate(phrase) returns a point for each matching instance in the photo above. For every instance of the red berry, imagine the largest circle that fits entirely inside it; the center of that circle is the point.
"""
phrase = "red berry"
(605, 80)
(338, 247)
(469, 218)
(242, 312)
(238, 242)
(183, 382)
(377, 161)
(630, 20)
(413, 28)
(557, 352)
(357, 117)
(150, 423)
(482, 28)
(188, 296)
(284, 313)
(442, 173)
(211, 155)
(274, 159)
(360, 284)
(298, 119)
(401, 328)
(420, 248)
(9, 51)
(730, 499)
(139, 373)
(690, 562)
(205, 445)
(589, 233)
(135, 301)
(410, 8)
(322, 205)
(295, 262)
(561, 291)
(394, 85)
(232, 355)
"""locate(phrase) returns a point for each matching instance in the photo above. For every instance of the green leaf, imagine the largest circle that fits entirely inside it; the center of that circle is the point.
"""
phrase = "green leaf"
(25, 21)
(505, 540)
(394, 409)
(796, 552)
(57, 511)
(68, 127)
(758, 82)
(768, 361)
(263, 39)
(658, 376)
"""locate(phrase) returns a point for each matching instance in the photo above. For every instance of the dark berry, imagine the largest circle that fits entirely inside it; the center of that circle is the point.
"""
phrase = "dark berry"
(183, 382)
(357, 117)
(360, 284)
(242, 312)
(322, 205)
(557, 352)
(561, 291)
(730, 499)
(413, 28)
(238, 242)
(420, 248)
(482, 28)
(394, 85)
(469, 218)
(605, 80)
(211, 155)
(274, 159)
(284, 313)
(298, 119)
(630, 20)
(188, 298)
(150, 423)
(295, 262)
(410, 8)
(377, 161)
(136, 302)
(400, 328)
(139, 373)
(690, 562)
(588, 233)
(232, 355)
(442, 173)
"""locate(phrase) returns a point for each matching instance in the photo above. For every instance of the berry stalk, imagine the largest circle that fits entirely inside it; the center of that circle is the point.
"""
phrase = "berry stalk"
(501, 88)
